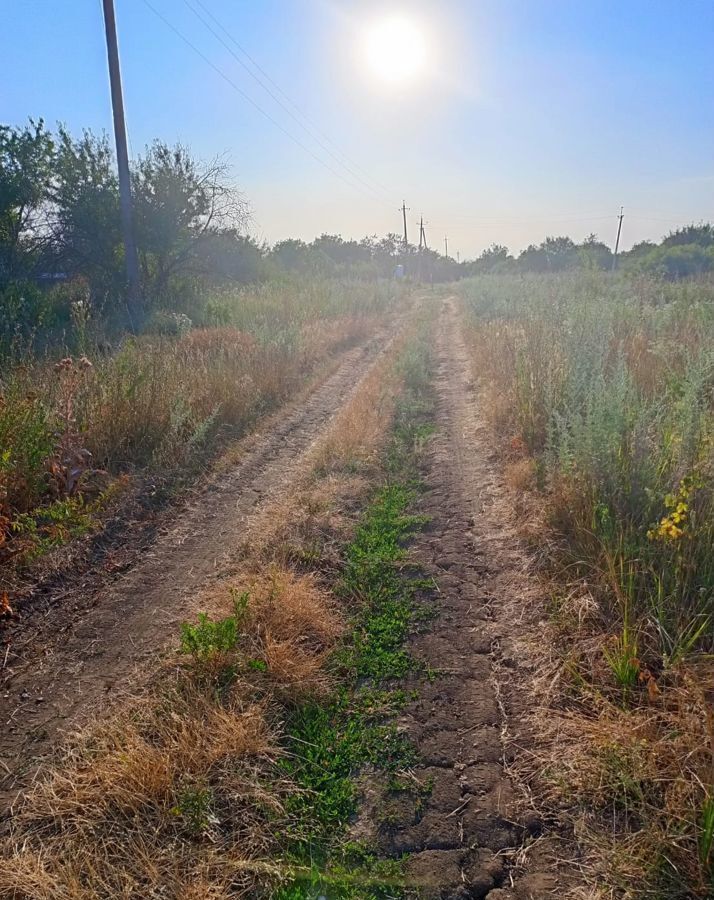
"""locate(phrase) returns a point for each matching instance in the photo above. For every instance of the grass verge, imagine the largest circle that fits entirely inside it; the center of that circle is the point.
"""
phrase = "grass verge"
(156, 406)
(235, 775)
(600, 393)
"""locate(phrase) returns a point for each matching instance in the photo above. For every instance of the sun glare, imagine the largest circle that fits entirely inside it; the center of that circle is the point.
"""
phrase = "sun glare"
(396, 50)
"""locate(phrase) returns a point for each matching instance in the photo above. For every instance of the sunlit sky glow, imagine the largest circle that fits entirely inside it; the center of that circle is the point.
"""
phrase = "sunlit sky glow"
(395, 48)
(498, 121)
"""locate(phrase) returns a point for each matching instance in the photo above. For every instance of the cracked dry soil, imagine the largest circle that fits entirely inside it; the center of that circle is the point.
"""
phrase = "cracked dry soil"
(468, 828)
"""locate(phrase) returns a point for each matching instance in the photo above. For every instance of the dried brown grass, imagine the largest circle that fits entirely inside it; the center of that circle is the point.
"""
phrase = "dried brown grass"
(113, 817)
(628, 772)
(311, 519)
(293, 625)
(179, 796)
(357, 431)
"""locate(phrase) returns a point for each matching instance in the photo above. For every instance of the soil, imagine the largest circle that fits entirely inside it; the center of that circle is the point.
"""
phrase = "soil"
(470, 829)
(469, 826)
(88, 644)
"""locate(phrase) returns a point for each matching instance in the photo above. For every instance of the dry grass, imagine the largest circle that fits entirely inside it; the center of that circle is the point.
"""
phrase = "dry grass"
(161, 402)
(310, 520)
(180, 793)
(520, 475)
(171, 790)
(178, 796)
(293, 624)
(631, 778)
(358, 429)
(622, 733)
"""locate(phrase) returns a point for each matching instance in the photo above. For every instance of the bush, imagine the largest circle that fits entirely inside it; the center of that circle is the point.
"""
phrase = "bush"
(167, 322)
(614, 398)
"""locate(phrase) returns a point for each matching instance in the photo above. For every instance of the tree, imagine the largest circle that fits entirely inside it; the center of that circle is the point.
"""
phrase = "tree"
(177, 202)
(493, 259)
(676, 261)
(84, 219)
(554, 254)
(594, 254)
(347, 255)
(225, 255)
(294, 255)
(26, 162)
(702, 235)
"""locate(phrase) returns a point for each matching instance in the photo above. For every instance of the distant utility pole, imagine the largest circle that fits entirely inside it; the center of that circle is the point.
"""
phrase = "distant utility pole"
(133, 300)
(421, 232)
(617, 242)
(404, 217)
(446, 246)
(458, 258)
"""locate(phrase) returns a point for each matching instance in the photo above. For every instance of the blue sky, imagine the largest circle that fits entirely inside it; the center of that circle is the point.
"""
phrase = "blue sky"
(532, 117)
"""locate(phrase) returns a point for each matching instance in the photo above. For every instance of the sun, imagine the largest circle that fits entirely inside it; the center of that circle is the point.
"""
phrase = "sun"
(395, 50)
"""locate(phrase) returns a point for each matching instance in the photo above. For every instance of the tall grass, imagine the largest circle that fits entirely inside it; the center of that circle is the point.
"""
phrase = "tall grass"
(158, 401)
(606, 387)
(610, 387)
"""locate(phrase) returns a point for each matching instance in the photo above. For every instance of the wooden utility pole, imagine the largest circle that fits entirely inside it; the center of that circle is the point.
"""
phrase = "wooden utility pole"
(420, 269)
(617, 242)
(404, 217)
(133, 299)
(446, 246)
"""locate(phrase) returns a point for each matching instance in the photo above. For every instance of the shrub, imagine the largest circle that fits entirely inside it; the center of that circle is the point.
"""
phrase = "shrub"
(166, 321)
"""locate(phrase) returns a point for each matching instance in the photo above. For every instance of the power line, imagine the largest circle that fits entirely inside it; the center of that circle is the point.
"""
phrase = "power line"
(483, 222)
(250, 100)
(311, 128)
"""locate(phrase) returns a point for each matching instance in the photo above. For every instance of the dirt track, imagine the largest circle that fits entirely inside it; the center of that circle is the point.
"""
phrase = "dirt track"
(90, 644)
(475, 835)
(472, 833)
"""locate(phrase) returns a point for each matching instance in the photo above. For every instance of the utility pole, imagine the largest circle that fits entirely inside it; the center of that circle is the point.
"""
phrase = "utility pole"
(420, 261)
(617, 242)
(133, 299)
(458, 258)
(404, 217)
(446, 246)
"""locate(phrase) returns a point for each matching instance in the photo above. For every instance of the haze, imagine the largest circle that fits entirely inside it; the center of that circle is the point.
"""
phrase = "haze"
(513, 121)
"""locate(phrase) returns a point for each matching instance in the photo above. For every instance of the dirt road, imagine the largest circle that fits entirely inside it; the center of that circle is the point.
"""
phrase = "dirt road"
(474, 836)
(469, 830)
(89, 645)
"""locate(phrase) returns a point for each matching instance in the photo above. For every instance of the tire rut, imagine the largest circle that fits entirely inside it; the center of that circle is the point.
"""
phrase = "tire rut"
(93, 650)
(473, 836)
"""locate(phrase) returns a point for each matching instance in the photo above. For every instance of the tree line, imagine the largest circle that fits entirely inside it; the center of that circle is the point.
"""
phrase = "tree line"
(682, 253)
(61, 253)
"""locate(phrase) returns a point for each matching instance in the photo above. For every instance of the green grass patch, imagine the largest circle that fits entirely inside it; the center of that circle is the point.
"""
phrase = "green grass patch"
(330, 744)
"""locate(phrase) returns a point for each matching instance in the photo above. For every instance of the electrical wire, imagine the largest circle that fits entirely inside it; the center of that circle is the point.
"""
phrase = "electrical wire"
(315, 133)
(252, 102)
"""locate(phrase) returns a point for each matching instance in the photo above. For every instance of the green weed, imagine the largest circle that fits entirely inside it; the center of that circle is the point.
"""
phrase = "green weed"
(329, 744)
(194, 805)
(209, 638)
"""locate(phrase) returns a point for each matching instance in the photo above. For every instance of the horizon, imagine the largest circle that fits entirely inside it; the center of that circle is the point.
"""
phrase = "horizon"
(515, 124)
